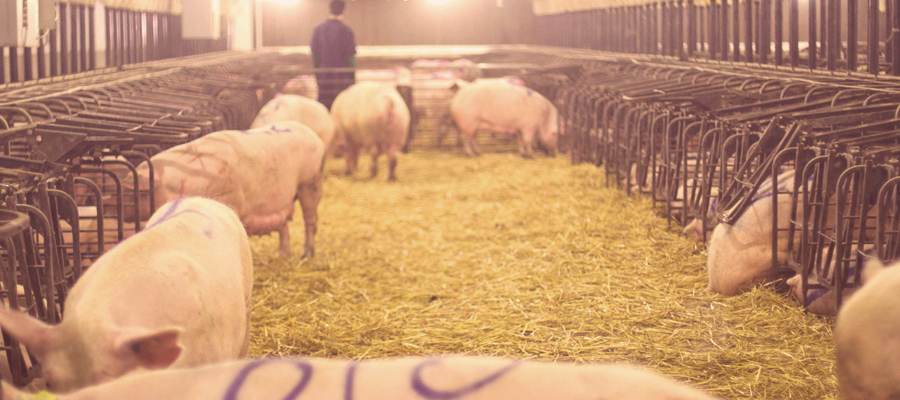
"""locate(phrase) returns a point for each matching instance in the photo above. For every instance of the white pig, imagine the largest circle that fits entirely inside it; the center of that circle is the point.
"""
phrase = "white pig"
(291, 107)
(824, 301)
(258, 172)
(303, 85)
(740, 255)
(866, 337)
(413, 378)
(504, 108)
(177, 294)
(372, 117)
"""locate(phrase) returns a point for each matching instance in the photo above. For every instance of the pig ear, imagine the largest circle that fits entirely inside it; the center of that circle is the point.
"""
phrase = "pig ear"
(154, 349)
(34, 334)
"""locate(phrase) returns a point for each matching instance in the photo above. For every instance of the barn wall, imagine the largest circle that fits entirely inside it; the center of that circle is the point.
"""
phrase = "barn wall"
(413, 22)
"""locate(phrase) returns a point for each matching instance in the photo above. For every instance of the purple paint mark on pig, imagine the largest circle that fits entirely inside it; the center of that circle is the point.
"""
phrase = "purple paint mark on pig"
(305, 367)
(170, 213)
(348, 384)
(433, 394)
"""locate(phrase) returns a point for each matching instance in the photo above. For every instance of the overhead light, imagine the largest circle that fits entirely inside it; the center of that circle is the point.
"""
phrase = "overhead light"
(438, 2)
(284, 2)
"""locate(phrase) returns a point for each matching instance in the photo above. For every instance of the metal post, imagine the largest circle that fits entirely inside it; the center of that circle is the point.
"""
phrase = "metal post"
(872, 36)
(812, 35)
(736, 13)
(794, 32)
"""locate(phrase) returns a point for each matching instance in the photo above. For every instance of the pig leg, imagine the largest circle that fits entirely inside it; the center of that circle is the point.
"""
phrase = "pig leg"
(309, 195)
(374, 167)
(351, 158)
(525, 142)
(284, 239)
(392, 163)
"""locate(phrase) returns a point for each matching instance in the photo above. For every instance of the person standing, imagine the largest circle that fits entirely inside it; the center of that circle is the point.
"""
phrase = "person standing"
(333, 46)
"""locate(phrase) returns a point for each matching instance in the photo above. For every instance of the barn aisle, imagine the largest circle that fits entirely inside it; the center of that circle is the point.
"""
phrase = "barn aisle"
(524, 258)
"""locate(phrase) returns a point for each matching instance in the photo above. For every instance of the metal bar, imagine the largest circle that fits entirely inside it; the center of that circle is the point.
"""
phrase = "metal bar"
(765, 29)
(28, 63)
(83, 37)
(64, 39)
(75, 27)
(110, 38)
(736, 30)
(888, 30)
(823, 28)
(872, 36)
(778, 17)
(2, 64)
(679, 33)
(13, 64)
(895, 43)
(794, 33)
(91, 38)
(812, 35)
(654, 28)
(748, 30)
(714, 33)
(833, 43)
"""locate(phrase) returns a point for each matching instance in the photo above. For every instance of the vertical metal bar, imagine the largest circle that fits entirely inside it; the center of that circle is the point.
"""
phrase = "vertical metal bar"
(142, 37)
(851, 35)
(888, 30)
(723, 29)
(42, 60)
(28, 63)
(135, 33)
(54, 46)
(75, 25)
(121, 24)
(748, 30)
(872, 36)
(64, 38)
(110, 38)
(713, 30)
(665, 27)
(823, 28)
(91, 40)
(13, 64)
(794, 32)
(779, 32)
(895, 43)
(679, 33)
(82, 16)
(2, 64)
(165, 45)
(736, 29)
(765, 28)
(833, 43)
(812, 35)
(654, 28)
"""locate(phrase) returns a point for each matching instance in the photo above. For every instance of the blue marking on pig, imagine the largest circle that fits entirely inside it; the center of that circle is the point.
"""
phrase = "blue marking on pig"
(348, 384)
(306, 370)
(170, 213)
(530, 92)
(816, 294)
(430, 393)
(277, 105)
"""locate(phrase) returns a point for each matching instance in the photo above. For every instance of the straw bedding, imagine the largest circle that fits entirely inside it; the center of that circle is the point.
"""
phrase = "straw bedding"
(503, 256)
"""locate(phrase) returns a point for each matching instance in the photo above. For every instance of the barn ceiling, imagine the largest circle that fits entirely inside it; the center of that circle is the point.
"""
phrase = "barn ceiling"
(550, 7)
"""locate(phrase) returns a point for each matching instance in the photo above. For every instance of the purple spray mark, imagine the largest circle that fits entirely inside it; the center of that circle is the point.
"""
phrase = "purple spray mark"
(530, 92)
(348, 384)
(422, 389)
(816, 294)
(170, 213)
(238, 382)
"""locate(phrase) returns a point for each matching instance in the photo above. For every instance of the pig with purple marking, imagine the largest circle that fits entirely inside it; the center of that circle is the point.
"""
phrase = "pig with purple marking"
(740, 255)
(505, 108)
(414, 378)
(259, 173)
(867, 337)
(821, 300)
(176, 294)
(371, 117)
(291, 107)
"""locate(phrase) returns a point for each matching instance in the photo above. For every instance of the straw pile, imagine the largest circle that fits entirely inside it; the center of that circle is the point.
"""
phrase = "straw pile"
(503, 256)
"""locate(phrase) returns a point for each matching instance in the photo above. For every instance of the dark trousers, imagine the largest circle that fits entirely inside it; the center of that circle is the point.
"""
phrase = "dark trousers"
(332, 83)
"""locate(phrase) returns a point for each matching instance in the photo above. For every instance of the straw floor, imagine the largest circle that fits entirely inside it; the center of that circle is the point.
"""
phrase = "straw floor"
(499, 255)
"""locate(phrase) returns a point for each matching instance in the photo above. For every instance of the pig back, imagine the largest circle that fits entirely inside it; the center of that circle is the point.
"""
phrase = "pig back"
(371, 112)
(189, 268)
(291, 107)
(256, 172)
(500, 104)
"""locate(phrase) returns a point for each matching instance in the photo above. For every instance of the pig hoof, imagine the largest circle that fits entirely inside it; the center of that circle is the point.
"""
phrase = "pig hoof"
(392, 179)
(284, 253)
(308, 253)
(528, 156)
(347, 173)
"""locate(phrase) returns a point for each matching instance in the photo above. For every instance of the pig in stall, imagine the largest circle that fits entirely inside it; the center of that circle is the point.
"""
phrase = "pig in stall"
(177, 294)
(740, 255)
(302, 85)
(371, 117)
(867, 337)
(258, 172)
(505, 108)
(452, 377)
(309, 112)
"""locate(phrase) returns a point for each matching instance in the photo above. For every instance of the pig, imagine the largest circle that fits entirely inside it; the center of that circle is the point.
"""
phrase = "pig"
(505, 108)
(372, 117)
(258, 172)
(303, 85)
(740, 255)
(824, 301)
(866, 337)
(309, 112)
(177, 294)
(412, 378)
